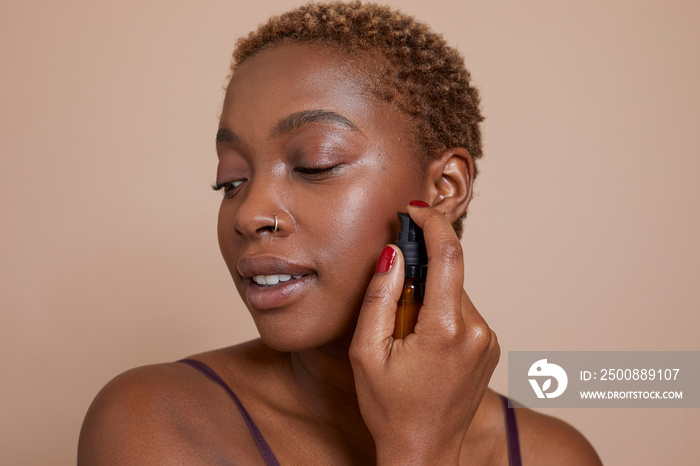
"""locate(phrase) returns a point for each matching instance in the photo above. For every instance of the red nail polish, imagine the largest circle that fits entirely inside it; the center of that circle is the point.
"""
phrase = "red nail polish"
(386, 260)
(419, 204)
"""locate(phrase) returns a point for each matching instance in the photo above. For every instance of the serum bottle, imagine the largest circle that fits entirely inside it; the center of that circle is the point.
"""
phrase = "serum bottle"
(412, 245)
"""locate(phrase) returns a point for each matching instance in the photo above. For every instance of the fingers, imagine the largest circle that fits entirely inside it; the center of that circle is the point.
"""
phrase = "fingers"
(375, 324)
(444, 284)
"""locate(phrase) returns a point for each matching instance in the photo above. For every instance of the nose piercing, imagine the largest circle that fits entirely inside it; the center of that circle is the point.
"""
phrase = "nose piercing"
(275, 228)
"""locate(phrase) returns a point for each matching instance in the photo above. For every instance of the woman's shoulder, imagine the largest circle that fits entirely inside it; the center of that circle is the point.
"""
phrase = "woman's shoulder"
(540, 439)
(546, 440)
(163, 411)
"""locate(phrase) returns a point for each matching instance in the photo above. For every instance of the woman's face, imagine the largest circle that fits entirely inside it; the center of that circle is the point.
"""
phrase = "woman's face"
(300, 138)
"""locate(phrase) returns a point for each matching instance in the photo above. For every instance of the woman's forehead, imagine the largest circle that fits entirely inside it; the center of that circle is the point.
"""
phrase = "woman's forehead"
(289, 78)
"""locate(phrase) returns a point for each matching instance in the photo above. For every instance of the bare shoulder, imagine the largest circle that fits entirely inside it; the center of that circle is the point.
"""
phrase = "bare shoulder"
(546, 440)
(161, 413)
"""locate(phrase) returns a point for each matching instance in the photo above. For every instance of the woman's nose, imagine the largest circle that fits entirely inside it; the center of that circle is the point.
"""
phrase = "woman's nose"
(262, 212)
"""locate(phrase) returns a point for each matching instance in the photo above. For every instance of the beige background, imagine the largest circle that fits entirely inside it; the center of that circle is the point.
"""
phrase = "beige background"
(584, 234)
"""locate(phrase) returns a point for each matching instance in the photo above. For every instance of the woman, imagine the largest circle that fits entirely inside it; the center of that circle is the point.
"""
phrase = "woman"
(336, 117)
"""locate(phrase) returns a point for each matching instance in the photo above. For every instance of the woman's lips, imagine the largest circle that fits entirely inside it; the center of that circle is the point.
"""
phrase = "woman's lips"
(277, 295)
(253, 265)
(273, 281)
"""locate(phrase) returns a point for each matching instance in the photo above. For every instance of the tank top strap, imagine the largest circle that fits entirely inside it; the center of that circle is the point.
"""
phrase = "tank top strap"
(260, 441)
(511, 433)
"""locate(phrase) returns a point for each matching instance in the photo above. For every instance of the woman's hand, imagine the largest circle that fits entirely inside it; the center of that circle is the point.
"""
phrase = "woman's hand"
(418, 395)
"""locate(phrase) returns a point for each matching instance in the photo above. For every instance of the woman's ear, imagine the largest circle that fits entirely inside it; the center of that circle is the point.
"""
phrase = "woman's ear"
(451, 178)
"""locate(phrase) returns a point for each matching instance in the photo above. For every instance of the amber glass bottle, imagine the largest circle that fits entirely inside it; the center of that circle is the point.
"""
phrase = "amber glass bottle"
(412, 246)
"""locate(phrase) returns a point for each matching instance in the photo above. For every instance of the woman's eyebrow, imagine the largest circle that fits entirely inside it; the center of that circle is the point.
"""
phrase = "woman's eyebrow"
(224, 135)
(299, 119)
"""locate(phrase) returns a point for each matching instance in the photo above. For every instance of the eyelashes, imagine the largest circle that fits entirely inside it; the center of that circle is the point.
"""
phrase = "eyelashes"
(227, 186)
(316, 172)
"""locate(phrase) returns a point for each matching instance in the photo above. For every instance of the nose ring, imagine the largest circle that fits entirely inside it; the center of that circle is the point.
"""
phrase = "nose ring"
(275, 228)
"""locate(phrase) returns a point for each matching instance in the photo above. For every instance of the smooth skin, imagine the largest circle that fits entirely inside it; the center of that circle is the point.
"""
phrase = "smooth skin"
(300, 138)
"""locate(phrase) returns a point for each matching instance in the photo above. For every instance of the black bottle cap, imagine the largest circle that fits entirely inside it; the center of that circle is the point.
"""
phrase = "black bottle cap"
(412, 245)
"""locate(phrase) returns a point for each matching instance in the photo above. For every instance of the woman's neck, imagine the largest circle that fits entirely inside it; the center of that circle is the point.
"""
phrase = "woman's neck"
(326, 386)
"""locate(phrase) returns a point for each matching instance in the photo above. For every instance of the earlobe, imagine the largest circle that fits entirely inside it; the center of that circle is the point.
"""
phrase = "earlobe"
(452, 174)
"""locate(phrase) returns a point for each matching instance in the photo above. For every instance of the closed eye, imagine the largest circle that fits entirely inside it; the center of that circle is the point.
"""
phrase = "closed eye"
(316, 170)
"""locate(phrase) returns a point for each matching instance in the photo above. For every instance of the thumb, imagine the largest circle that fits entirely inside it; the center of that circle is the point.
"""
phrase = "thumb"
(375, 324)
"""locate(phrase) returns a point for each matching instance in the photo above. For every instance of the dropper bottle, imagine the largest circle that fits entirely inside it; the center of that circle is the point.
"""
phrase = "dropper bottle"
(412, 245)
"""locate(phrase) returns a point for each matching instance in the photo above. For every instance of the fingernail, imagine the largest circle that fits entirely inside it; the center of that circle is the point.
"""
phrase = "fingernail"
(386, 260)
(419, 204)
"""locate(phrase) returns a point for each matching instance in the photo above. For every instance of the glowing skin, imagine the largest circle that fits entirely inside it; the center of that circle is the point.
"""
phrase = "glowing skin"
(300, 138)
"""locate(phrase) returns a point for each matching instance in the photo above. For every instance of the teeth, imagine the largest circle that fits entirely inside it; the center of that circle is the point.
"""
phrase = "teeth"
(267, 280)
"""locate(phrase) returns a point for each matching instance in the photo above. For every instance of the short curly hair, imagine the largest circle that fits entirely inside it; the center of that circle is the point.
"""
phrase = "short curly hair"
(423, 76)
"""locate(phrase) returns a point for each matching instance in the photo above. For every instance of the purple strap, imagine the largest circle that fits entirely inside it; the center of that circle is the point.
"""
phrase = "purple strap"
(264, 448)
(511, 434)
